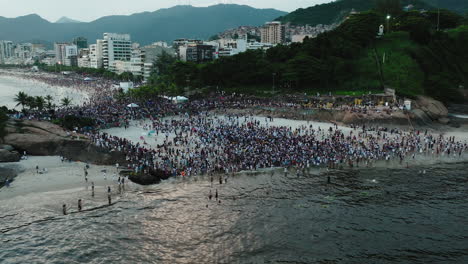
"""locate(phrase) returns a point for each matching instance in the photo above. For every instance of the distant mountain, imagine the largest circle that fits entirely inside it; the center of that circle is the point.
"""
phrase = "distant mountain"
(333, 12)
(459, 6)
(65, 20)
(165, 24)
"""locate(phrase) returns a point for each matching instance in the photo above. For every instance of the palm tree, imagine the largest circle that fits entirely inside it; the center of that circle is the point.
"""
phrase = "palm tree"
(49, 100)
(66, 102)
(40, 103)
(21, 98)
(31, 102)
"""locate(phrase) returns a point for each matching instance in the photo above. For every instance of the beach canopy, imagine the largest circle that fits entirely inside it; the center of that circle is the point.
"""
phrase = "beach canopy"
(133, 105)
(181, 98)
(177, 99)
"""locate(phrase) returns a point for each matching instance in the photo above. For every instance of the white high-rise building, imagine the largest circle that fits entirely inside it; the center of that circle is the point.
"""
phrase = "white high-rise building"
(95, 54)
(66, 54)
(23, 51)
(116, 47)
(273, 33)
(6, 50)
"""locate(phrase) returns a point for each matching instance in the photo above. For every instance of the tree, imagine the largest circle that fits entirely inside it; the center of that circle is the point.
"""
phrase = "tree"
(49, 100)
(3, 120)
(66, 102)
(21, 99)
(126, 76)
(31, 102)
(162, 63)
(40, 103)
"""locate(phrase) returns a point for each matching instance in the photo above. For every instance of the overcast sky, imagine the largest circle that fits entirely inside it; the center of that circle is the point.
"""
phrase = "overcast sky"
(88, 10)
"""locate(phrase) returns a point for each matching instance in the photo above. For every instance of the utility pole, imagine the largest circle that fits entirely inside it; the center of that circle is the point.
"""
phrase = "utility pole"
(438, 15)
(438, 19)
(274, 75)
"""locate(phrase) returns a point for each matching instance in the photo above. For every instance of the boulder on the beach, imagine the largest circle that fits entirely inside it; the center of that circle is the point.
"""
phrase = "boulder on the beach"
(421, 116)
(350, 118)
(7, 173)
(433, 108)
(7, 147)
(444, 120)
(9, 156)
(36, 138)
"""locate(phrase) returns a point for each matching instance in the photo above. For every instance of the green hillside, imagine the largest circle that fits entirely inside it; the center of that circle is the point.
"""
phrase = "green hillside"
(414, 58)
(337, 10)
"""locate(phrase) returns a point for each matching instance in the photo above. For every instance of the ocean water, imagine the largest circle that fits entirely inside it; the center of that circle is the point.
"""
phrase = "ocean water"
(371, 215)
(10, 86)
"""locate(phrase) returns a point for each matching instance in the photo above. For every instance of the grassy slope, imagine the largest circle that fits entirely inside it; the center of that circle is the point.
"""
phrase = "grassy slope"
(400, 70)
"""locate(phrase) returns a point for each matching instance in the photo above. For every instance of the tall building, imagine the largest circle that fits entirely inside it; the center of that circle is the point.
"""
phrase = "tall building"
(66, 54)
(273, 33)
(6, 50)
(23, 51)
(81, 42)
(95, 54)
(197, 53)
(115, 47)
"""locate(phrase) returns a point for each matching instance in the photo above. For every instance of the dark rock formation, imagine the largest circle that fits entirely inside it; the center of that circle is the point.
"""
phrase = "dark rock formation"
(7, 173)
(9, 156)
(434, 109)
(150, 178)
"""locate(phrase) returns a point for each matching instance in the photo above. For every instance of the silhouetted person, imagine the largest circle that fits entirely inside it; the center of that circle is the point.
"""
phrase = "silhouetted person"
(216, 195)
(80, 205)
(64, 209)
(109, 198)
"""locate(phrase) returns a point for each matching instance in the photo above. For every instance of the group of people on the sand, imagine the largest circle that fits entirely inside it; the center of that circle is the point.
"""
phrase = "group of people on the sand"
(196, 141)
(204, 144)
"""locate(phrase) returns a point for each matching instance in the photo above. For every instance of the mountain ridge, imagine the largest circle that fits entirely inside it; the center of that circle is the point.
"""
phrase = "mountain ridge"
(145, 27)
(64, 20)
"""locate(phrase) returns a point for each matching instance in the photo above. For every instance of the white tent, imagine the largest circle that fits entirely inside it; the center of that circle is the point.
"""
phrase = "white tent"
(133, 105)
(180, 99)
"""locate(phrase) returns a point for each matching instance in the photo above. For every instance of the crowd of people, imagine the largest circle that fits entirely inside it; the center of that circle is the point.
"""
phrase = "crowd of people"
(196, 141)
(205, 144)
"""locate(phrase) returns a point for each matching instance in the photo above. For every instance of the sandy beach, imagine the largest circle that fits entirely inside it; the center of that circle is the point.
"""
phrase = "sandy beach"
(11, 85)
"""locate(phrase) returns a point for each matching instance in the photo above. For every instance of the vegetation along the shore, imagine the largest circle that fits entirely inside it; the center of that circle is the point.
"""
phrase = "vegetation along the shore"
(3, 120)
(417, 55)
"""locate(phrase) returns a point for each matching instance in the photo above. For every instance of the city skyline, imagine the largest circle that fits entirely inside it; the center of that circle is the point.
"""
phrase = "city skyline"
(84, 13)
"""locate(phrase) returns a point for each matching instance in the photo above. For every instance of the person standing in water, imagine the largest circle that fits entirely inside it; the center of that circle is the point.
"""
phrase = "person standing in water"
(64, 209)
(109, 198)
(80, 205)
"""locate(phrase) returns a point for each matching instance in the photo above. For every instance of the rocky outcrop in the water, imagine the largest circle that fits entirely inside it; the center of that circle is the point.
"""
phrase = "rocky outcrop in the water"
(153, 177)
(7, 173)
(8, 154)
(46, 139)
(434, 109)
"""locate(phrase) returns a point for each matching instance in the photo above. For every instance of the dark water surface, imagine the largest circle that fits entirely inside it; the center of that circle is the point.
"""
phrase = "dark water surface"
(367, 216)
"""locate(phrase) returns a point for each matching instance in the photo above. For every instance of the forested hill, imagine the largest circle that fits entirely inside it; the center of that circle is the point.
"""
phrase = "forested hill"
(164, 24)
(459, 6)
(335, 11)
(414, 58)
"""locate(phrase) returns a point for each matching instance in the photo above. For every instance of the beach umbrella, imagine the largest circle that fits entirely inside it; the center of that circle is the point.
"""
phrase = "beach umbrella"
(133, 105)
